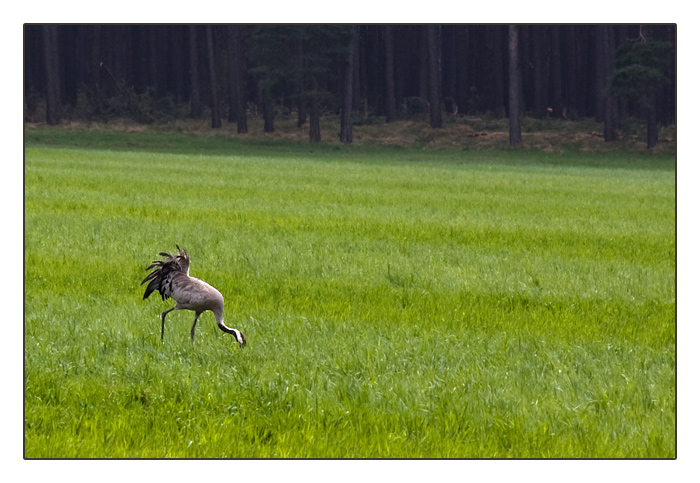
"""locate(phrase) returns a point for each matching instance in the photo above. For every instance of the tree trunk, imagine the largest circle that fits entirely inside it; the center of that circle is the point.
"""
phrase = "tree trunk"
(53, 81)
(314, 119)
(357, 73)
(195, 91)
(610, 120)
(177, 57)
(300, 87)
(94, 67)
(434, 76)
(652, 126)
(555, 74)
(608, 64)
(239, 50)
(346, 112)
(301, 112)
(232, 73)
(539, 34)
(571, 78)
(215, 111)
(463, 75)
(158, 48)
(449, 70)
(389, 72)
(237, 111)
(69, 61)
(526, 69)
(600, 72)
(496, 64)
(375, 66)
(514, 136)
(423, 63)
(268, 110)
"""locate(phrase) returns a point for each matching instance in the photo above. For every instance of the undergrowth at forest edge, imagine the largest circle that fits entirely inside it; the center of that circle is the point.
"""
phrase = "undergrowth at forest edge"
(546, 137)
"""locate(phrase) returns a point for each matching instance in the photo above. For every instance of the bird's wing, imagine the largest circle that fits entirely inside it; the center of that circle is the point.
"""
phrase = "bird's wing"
(160, 278)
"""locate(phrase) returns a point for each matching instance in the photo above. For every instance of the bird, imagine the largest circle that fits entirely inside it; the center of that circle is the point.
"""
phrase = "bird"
(171, 278)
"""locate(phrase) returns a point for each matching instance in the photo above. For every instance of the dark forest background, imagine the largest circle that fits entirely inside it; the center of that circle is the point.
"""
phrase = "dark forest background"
(157, 73)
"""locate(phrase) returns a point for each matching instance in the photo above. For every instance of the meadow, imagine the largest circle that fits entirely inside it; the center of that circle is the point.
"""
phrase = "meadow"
(398, 303)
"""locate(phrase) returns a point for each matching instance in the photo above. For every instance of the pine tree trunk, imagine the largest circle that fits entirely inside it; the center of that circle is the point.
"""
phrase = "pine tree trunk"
(463, 73)
(215, 110)
(268, 111)
(515, 135)
(300, 85)
(95, 67)
(346, 112)
(389, 71)
(539, 34)
(195, 91)
(357, 74)
(600, 72)
(609, 102)
(53, 81)
(237, 111)
(526, 71)
(449, 70)
(652, 126)
(499, 103)
(555, 74)
(374, 72)
(571, 79)
(434, 76)
(609, 122)
(301, 113)
(423, 63)
(239, 49)
(232, 74)
(314, 119)
(177, 58)
(155, 68)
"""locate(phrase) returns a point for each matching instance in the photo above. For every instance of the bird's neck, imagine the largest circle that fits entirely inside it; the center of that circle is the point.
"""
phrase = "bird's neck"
(219, 315)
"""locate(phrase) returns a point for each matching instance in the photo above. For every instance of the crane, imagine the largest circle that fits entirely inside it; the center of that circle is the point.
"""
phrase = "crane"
(171, 278)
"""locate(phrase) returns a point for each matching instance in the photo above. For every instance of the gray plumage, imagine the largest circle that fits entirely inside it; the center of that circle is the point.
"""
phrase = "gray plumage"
(171, 278)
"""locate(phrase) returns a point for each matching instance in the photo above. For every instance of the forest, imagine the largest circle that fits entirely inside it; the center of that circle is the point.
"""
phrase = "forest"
(156, 73)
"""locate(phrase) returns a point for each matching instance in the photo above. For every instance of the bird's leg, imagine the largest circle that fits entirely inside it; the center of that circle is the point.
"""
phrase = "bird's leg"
(162, 321)
(193, 325)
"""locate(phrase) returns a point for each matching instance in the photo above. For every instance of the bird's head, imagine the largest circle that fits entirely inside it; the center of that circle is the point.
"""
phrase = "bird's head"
(239, 337)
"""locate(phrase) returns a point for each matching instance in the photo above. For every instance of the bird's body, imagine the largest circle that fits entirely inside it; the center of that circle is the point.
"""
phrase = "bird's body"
(171, 279)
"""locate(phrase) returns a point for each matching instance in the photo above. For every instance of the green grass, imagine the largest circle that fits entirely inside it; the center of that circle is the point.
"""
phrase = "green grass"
(397, 303)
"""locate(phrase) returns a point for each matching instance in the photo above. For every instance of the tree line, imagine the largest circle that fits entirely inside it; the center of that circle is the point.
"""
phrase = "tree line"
(148, 72)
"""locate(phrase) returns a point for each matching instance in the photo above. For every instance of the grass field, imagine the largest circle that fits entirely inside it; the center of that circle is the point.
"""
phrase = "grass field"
(397, 303)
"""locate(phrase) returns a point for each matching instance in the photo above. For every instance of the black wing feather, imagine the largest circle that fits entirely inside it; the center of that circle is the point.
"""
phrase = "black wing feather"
(161, 269)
